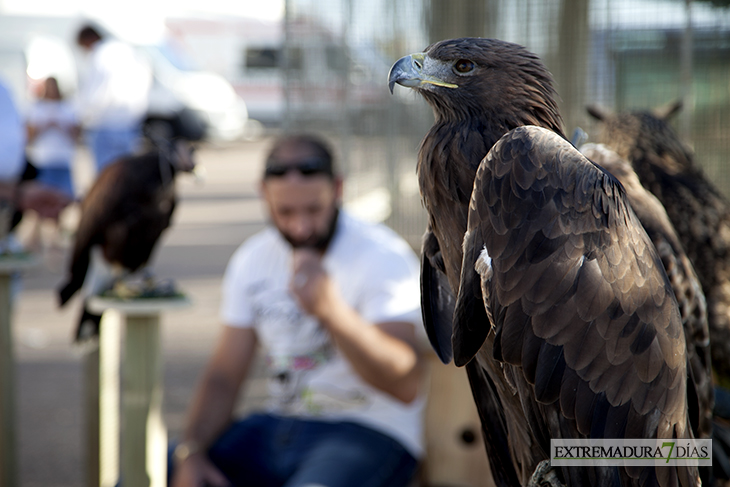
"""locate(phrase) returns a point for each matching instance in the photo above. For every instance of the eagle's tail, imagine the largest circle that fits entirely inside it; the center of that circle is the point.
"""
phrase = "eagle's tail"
(79, 267)
(494, 431)
(91, 274)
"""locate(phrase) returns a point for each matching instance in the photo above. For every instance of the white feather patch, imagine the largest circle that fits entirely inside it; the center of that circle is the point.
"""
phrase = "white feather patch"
(483, 265)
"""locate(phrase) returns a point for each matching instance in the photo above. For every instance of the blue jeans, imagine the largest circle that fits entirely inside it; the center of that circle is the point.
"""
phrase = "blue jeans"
(267, 451)
(58, 177)
(107, 145)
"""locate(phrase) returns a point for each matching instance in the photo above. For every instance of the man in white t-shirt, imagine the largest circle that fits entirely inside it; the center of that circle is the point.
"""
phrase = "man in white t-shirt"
(334, 303)
(113, 96)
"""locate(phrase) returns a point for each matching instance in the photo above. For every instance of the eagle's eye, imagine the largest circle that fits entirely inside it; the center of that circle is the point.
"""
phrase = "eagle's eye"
(463, 66)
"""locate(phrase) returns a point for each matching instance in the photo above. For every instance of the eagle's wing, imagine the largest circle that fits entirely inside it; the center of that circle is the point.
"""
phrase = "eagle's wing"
(579, 301)
(437, 300)
(437, 306)
(98, 209)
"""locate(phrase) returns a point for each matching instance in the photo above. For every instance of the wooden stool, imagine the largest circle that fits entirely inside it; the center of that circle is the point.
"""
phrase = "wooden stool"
(144, 437)
(455, 454)
(9, 265)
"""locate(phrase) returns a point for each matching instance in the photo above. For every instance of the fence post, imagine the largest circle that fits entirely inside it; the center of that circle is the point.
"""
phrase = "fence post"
(102, 377)
(144, 437)
(9, 265)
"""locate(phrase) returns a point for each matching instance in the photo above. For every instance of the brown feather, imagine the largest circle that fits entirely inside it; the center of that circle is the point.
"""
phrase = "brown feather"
(683, 278)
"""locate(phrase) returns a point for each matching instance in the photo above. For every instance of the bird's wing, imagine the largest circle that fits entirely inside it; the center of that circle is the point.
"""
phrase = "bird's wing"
(98, 209)
(437, 299)
(578, 299)
(101, 205)
(131, 241)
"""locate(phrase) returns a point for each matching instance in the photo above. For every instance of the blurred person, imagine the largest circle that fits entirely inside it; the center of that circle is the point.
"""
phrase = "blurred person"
(16, 193)
(52, 130)
(113, 96)
(335, 304)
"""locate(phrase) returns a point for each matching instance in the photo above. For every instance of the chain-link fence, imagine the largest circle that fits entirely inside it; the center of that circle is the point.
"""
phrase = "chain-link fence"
(620, 54)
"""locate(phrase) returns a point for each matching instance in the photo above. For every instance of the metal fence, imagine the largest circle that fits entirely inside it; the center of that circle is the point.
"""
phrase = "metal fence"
(620, 54)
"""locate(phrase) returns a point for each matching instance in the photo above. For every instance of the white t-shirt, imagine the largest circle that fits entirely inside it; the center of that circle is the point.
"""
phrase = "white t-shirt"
(377, 274)
(115, 88)
(53, 146)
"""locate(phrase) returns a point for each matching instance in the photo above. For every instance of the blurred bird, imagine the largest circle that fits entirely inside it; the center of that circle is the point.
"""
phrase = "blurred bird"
(123, 215)
(564, 316)
(684, 281)
(699, 212)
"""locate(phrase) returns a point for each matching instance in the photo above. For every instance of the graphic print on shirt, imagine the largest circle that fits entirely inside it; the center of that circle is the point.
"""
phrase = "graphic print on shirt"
(294, 341)
(305, 371)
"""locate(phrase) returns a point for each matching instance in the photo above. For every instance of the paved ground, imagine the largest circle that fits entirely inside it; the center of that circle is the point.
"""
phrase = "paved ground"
(210, 222)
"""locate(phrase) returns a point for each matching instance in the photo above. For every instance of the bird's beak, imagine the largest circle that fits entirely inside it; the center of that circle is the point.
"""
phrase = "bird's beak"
(408, 71)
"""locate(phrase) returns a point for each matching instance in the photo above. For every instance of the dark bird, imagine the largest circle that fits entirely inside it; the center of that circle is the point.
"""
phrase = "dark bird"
(698, 210)
(564, 316)
(123, 215)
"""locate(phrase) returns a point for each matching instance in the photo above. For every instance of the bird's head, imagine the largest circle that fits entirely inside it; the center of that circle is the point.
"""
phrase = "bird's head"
(182, 156)
(633, 134)
(475, 77)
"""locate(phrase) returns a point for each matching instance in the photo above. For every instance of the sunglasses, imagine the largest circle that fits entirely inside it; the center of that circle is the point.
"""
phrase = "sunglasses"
(305, 167)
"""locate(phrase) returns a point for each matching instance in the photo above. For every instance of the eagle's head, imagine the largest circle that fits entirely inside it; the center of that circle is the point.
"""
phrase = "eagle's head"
(638, 133)
(182, 156)
(474, 77)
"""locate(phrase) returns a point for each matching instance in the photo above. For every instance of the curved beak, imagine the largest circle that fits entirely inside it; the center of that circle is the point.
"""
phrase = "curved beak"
(408, 71)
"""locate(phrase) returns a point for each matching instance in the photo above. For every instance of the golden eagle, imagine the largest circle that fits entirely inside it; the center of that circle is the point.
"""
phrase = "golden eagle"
(124, 214)
(564, 316)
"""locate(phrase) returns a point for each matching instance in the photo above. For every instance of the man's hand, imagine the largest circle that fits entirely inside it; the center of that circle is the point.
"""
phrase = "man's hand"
(310, 283)
(198, 471)
(382, 354)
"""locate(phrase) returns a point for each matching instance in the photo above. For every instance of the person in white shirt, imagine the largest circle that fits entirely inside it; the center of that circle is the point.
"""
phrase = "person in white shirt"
(334, 303)
(113, 96)
(53, 129)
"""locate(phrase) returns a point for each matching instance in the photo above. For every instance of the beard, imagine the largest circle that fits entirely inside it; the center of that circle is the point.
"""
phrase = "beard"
(316, 241)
